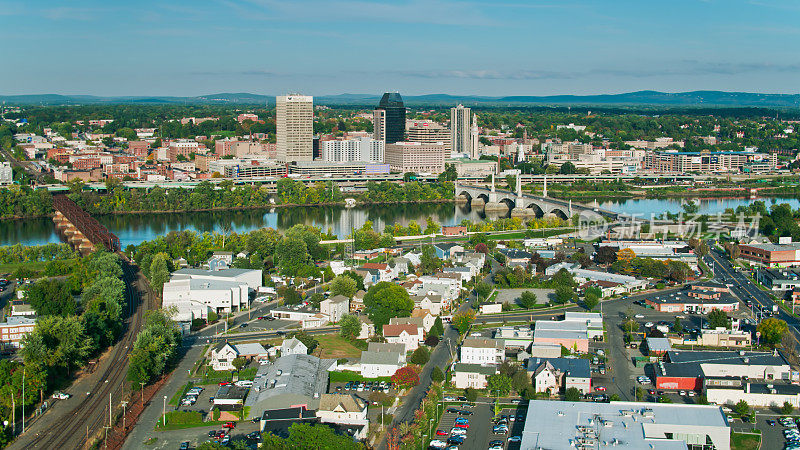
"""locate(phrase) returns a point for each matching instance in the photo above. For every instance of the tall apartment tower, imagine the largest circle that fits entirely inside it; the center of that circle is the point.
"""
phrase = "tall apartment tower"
(294, 128)
(389, 119)
(460, 130)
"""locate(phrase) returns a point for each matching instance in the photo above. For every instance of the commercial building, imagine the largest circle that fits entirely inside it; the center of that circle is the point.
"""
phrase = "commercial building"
(428, 132)
(389, 118)
(415, 157)
(708, 162)
(629, 425)
(460, 130)
(14, 329)
(291, 381)
(701, 298)
(720, 337)
(571, 335)
(363, 149)
(779, 279)
(687, 369)
(337, 168)
(730, 390)
(772, 255)
(294, 128)
(194, 298)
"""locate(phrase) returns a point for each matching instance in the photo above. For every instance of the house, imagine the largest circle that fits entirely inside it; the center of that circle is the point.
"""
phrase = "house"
(368, 276)
(293, 346)
(428, 319)
(482, 351)
(567, 373)
(385, 271)
(456, 230)
(545, 379)
(339, 267)
(432, 303)
(415, 321)
(466, 273)
(335, 307)
(408, 335)
(367, 329)
(473, 376)
(381, 363)
(357, 302)
(401, 265)
(444, 250)
(516, 258)
(223, 354)
(342, 409)
(387, 347)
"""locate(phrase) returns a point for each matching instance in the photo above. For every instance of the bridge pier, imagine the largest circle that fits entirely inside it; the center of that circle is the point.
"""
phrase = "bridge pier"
(522, 212)
(495, 206)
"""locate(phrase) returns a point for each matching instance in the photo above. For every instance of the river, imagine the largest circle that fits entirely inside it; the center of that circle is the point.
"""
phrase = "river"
(135, 228)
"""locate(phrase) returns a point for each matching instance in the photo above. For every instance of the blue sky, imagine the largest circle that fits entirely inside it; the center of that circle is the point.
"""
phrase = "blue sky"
(503, 47)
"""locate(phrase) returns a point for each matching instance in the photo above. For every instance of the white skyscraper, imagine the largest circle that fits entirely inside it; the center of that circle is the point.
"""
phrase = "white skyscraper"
(295, 128)
(460, 129)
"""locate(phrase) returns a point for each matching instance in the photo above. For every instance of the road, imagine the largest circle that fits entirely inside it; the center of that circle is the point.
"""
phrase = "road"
(70, 423)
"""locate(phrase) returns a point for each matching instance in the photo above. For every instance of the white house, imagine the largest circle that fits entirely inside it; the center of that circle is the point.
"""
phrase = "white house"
(222, 355)
(545, 379)
(367, 328)
(346, 409)
(472, 375)
(482, 351)
(381, 363)
(418, 322)
(408, 335)
(428, 319)
(432, 303)
(335, 307)
(293, 346)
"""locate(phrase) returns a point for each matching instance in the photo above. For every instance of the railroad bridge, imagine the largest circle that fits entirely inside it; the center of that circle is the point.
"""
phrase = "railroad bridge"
(523, 204)
(81, 230)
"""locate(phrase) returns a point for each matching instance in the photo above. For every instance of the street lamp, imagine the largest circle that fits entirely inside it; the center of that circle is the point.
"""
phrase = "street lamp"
(164, 412)
(422, 443)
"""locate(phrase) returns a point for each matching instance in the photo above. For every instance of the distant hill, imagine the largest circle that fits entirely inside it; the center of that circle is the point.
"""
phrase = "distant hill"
(650, 98)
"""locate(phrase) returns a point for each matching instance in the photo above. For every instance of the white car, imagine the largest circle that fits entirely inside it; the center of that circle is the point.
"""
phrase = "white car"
(639, 316)
(515, 439)
(60, 395)
(648, 324)
(244, 383)
(458, 431)
(436, 443)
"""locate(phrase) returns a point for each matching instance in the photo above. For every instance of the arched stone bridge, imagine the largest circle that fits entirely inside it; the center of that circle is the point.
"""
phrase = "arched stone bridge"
(523, 204)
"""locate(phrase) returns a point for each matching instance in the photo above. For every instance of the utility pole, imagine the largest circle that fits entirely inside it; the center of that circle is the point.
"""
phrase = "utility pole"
(23, 400)
(165, 411)
(109, 409)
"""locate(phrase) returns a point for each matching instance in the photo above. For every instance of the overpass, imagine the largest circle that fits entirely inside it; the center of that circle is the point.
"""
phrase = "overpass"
(523, 204)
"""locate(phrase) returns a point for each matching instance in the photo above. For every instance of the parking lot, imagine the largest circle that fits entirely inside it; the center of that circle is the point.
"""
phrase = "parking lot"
(481, 422)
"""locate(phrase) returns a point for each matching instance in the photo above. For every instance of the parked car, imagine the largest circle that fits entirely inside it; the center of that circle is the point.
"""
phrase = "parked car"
(229, 425)
(61, 395)
(441, 433)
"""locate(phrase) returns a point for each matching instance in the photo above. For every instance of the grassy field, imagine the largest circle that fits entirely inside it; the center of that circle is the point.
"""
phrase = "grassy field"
(334, 346)
(742, 441)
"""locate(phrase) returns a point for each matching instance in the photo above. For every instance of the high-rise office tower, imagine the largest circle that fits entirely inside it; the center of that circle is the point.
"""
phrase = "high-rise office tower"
(461, 130)
(389, 118)
(294, 128)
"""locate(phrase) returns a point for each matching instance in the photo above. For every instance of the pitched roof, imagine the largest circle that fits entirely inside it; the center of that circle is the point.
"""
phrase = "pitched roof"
(574, 367)
(475, 368)
(385, 347)
(346, 402)
(394, 330)
(482, 343)
(382, 358)
(378, 266)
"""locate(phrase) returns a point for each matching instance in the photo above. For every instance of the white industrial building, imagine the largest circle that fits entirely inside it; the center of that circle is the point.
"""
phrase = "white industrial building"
(626, 425)
(195, 292)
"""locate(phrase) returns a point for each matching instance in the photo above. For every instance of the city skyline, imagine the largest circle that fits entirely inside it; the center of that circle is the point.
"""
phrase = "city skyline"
(266, 47)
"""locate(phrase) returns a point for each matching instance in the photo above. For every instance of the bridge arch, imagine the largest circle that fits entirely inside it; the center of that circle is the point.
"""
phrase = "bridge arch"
(559, 213)
(485, 197)
(467, 195)
(509, 202)
(537, 210)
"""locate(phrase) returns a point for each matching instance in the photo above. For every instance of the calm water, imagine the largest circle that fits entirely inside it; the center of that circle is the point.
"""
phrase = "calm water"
(133, 229)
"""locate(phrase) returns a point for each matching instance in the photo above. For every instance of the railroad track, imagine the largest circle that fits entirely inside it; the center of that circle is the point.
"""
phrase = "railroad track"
(88, 418)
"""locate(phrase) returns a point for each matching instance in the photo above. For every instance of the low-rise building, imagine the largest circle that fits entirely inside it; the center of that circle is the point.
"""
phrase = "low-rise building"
(515, 337)
(335, 307)
(719, 337)
(779, 280)
(655, 426)
(686, 369)
(293, 346)
(482, 351)
(783, 254)
(408, 335)
(381, 363)
(342, 409)
(698, 299)
(194, 298)
(731, 390)
(307, 316)
(553, 374)
(223, 354)
(473, 376)
(14, 329)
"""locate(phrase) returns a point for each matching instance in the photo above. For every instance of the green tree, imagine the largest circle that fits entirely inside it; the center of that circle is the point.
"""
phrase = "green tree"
(463, 320)
(564, 294)
(343, 285)
(572, 394)
(590, 300)
(521, 381)
(349, 326)
(527, 300)
(51, 297)
(385, 300)
(308, 340)
(420, 356)
(471, 394)
(437, 375)
(429, 262)
(499, 384)
(290, 255)
(787, 408)
(717, 318)
(772, 330)
(155, 349)
(57, 343)
(159, 271)
(741, 408)
(438, 328)
(678, 326)
(238, 363)
(483, 289)
(306, 436)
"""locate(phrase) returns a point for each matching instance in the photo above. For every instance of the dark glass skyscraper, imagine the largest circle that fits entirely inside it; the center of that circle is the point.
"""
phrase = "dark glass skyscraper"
(389, 118)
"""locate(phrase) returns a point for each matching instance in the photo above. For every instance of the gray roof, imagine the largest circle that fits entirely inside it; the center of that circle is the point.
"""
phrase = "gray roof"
(231, 392)
(574, 367)
(215, 273)
(302, 379)
(383, 358)
(385, 347)
(725, 357)
(656, 344)
(475, 368)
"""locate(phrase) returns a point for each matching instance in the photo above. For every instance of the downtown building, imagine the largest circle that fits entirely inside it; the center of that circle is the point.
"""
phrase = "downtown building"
(363, 149)
(389, 119)
(463, 132)
(428, 132)
(295, 128)
(708, 162)
(415, 157)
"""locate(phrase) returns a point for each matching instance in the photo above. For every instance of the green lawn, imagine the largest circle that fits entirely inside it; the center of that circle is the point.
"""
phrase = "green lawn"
(334, 346)
(743, 441)
(180, 393)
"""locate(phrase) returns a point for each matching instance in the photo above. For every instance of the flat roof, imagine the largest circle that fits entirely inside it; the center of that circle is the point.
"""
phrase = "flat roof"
(627, 425)
(726, 357)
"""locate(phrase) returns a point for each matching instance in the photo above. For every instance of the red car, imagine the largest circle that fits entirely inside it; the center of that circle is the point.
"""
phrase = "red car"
(225, 383)
(230, 425)
(441, 433)
(461, 425)
(600, 388)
